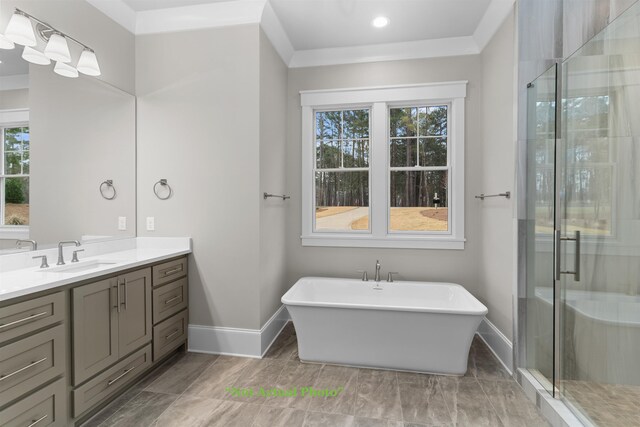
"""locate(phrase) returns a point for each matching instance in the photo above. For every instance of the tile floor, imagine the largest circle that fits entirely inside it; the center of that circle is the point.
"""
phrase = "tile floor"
(189, 390)
(608, 405)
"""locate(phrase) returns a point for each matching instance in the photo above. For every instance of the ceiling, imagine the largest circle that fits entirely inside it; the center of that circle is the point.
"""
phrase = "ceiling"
(12, 62)
(323, 32)
(318, 24)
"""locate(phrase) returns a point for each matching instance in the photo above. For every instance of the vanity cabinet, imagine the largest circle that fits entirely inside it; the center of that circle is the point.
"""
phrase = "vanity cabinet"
(111, 318)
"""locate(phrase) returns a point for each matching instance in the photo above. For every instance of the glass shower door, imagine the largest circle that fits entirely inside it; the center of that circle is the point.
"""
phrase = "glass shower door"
(599, 228)
(541, 138)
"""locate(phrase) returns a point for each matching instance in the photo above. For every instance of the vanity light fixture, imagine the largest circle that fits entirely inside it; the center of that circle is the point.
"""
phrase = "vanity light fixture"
(5, 43)
(380, 22)
(65, 70)
(20, 30)
(29, 54)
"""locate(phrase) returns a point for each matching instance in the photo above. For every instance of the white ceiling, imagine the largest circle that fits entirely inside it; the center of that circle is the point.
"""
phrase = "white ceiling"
(319, 24)
(323, 32)
(12, 62)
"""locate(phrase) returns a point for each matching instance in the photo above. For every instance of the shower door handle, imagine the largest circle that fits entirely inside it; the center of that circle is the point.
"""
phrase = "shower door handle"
(576, 265)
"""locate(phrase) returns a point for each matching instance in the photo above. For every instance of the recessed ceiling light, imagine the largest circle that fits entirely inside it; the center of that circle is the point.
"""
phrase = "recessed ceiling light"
(380, 22)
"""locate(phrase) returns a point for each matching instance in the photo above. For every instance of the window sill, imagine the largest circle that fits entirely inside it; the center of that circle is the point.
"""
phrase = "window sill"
(15, 232)
(394, 242)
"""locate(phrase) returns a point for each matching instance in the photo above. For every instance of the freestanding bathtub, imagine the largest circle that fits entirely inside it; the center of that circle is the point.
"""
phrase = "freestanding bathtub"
(409, 326)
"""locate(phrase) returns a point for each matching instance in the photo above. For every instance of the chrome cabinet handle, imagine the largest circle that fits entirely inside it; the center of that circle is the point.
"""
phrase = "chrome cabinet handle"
(124, 283)
(172, 334)
(116, 379)
(118, 296)
(24, 368)
(170, 300)
(116, 305)
(172, 271)
(30, 317)
(559, 271)
(34, 422)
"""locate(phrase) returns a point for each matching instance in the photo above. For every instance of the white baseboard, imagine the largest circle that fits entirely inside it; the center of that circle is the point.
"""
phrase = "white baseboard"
(497, 343)
(235, 341)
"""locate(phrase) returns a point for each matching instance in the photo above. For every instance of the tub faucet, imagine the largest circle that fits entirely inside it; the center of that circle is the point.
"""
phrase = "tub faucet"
(33, 243)
(60, 253)
(377, 271)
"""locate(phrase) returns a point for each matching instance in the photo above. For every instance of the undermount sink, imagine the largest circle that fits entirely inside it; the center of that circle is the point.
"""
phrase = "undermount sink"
(79, 266)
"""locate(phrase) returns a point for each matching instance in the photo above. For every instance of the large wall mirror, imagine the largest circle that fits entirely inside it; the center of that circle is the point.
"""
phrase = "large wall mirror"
(61, 139)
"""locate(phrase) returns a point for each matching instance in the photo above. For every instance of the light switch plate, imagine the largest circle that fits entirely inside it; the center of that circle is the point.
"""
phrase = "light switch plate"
(151, 223)
(122, 223)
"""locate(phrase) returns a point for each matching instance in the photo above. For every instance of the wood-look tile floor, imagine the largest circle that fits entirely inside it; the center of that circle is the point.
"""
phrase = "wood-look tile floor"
(189, 390)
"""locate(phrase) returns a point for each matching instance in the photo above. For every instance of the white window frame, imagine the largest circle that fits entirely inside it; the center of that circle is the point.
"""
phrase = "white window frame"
(379, 100)
(12, 118)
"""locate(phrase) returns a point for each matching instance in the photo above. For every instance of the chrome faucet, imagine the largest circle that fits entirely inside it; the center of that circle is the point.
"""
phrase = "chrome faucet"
(377, 278)
(33, 243)
(60, 253)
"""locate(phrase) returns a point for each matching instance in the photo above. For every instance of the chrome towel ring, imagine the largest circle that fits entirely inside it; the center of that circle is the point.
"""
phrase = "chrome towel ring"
(162, 183)
(106, 185)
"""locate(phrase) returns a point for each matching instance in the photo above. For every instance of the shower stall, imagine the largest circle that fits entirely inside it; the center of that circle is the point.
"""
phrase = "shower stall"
(582, 305)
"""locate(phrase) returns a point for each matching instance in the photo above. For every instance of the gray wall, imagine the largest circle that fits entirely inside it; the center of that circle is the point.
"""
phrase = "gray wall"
(497, 261)
(16, 98)
(199, 127)
(273, 108)
(458, 266)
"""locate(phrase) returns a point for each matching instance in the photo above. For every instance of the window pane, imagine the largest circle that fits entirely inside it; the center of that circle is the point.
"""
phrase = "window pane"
(25, 138)
(16, 198)
(342, 200)
(12, 161)
(433, 120)
(433, 151)
(356, 153)
(419, 201)
(25, 163)
(327, 154)
(356, 124)
(403, 121)
(328, 125)
(13, 139)
(403, 152)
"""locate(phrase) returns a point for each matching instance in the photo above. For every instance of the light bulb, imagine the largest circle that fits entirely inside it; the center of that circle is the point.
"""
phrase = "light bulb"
(57, 48)
(88, 63)
(20, 31)
(380, 21)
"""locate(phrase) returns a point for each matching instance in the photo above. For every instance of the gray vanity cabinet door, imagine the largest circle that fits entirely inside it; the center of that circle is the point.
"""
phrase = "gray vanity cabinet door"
(95, 328)
(134, 324)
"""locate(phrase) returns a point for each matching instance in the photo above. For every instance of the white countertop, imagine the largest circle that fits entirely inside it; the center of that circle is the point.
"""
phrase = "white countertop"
(123, 255)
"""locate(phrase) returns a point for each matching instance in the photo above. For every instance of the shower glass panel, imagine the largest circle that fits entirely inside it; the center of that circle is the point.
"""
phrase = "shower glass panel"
(599, 202)
(541, 138)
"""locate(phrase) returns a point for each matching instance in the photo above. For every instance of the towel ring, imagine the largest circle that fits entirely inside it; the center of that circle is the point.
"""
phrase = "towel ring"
(162, 182)
(108, 184)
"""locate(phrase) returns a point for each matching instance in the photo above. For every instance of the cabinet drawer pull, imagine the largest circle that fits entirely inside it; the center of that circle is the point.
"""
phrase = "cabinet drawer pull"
(30, 317)
(124, 282)
(24, 368)
(172, 334)
(116, 379)
(34, 422)
(170, 300)
(172, 271)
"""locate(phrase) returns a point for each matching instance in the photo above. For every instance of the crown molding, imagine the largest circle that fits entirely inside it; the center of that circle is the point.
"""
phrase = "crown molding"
(491, 21)
(454, 46)
(228, 13)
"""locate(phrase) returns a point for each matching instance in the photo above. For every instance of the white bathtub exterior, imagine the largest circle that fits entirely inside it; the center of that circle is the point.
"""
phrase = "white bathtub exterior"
(408, 326)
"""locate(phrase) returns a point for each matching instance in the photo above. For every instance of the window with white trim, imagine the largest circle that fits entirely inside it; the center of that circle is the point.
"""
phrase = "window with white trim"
(14, 173)
(384, 167)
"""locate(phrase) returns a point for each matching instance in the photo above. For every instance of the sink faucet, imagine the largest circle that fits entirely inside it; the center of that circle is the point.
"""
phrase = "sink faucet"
(33, 243)
(60, 253)
(377, 279)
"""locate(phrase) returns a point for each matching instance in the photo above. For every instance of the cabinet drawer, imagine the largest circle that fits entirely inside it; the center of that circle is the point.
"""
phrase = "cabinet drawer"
(28, 316)
(30, 362)
(170, 334)
(46, 407)
(170, 299)
(168, 271)
(110, 381)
